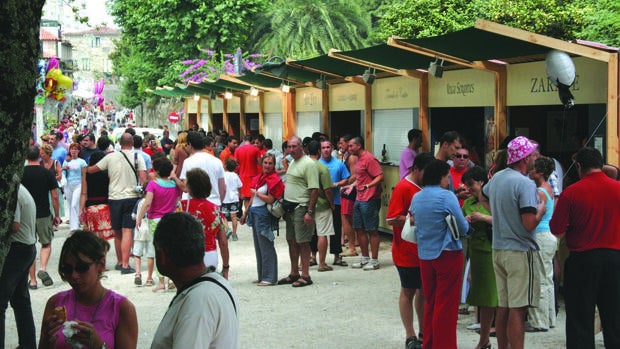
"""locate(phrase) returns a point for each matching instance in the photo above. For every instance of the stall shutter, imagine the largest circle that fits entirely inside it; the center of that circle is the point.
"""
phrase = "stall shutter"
(390, 127)
(308, 123)
(273, 127)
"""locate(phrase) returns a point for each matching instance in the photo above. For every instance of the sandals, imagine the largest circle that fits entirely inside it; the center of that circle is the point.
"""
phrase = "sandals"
(341, 263)
(303, 281)
(325, 267)
(312, 262)
(45, 278)
(288, 280)
(348, 253)
(149, 282)
(32, 286)
(137, 280)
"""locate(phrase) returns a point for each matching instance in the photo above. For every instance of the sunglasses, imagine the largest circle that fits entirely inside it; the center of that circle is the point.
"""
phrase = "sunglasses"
(66, 270)
(459, 156)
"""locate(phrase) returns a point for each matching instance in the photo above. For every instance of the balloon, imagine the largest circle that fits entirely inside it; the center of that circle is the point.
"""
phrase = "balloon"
(65, 83)
(560, 68)
(50, 84)
(561, 72)
(52, 64)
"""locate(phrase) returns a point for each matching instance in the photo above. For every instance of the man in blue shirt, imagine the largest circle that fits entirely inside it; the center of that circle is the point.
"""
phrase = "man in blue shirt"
(340, 176)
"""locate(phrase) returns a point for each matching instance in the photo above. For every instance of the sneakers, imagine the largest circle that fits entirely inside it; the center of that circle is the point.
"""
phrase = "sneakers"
(128, 270)
(228, 233)
(45, 278)
(473, 327)
(372, 265)
(363, 261)
(413, 343)
(235, 237)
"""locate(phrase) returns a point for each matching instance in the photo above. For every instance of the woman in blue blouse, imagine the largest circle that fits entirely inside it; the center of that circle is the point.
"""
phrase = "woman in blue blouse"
(441, 257)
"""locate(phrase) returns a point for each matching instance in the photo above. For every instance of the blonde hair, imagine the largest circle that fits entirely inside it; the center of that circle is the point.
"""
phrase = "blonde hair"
(182, 139)
(47, 149)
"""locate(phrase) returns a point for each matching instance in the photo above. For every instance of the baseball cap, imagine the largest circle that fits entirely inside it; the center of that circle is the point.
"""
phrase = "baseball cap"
(519, 148)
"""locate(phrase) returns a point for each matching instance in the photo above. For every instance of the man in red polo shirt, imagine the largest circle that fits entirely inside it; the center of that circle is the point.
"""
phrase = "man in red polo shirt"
(405, 254)
(247, 155)
(588, 214)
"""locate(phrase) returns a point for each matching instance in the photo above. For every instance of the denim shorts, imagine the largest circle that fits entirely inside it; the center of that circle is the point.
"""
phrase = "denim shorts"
(228, 208)
(366, 215)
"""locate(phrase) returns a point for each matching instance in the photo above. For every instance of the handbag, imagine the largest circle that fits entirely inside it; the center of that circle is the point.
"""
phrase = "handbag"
(351, 196)
(453, 227)
(409, 231)
(275, 208)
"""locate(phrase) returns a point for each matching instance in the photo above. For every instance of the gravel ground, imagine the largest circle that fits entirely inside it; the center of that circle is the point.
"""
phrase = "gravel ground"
(344, 308)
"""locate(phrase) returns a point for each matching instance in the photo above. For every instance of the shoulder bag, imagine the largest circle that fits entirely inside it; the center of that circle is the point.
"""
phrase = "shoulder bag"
(409, 231)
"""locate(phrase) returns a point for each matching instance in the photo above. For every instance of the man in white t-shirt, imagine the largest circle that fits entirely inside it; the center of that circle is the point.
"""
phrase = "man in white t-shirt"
(127, 173)
(204, 312)
(209, 163)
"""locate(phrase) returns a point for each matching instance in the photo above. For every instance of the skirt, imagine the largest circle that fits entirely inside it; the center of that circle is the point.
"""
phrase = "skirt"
(97, 219)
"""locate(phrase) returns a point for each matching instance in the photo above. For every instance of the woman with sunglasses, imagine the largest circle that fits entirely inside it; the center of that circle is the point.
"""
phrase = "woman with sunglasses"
(101, 317)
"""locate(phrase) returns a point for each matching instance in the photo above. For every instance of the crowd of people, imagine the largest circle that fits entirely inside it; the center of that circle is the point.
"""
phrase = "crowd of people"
(178, 203)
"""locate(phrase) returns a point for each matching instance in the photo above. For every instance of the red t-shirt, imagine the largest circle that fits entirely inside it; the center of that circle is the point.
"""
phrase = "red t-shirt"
(209, 215)
(457, 177)
(588, 212)
(366, 169)
(404, 253)
(247, 157)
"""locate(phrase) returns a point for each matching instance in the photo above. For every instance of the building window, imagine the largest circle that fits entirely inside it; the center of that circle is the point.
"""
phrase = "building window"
(96, 42)
(85, 64)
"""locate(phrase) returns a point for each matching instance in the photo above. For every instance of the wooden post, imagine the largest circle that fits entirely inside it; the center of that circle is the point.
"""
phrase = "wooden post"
(242, 127)
(423, 120)
(613, 107)
(325, 112)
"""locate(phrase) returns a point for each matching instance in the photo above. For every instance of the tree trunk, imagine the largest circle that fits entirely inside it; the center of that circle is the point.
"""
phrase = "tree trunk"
(19, 52)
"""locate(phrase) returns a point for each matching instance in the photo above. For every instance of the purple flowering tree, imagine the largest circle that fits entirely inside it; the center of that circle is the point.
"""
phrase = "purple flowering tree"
(215, 64)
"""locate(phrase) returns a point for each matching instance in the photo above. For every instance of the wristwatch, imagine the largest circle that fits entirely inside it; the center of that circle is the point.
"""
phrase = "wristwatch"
(366, 187)
(310, 212)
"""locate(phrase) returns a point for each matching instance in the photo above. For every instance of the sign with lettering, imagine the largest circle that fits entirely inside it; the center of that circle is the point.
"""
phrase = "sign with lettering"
(346, 96)
(308, 99)
(462, 88)
(528, 83)
(252, 104)
(233, 105)
(396, 93)
(273, 102)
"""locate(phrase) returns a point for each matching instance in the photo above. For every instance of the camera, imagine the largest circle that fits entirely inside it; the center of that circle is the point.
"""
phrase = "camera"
(138, 189)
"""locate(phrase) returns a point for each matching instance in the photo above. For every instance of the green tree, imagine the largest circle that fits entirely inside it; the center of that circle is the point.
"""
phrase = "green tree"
(307, 28)
(158, 34)
(561, 19)
(602, 22)
(19, 53)
(423, 18)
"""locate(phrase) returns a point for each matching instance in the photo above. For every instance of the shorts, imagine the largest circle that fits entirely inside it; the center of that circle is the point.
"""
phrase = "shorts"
(366, 215)
(143, 248)
(44, 230)
(228, 208)
(346, 206)
(324, 222)
(296, 230)
(517, 278)
(120, 213)
(410, 277)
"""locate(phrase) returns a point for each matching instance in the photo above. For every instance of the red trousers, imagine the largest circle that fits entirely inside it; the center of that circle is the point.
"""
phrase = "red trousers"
(441, 284)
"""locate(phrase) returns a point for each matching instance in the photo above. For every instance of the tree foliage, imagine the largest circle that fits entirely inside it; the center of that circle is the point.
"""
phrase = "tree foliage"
(157, 35)
(561, 19)
(307, 28)
(423, 18)
(602, 23)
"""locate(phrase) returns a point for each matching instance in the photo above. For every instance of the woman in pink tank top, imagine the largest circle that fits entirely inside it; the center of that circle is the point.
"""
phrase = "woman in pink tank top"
(96, 317)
